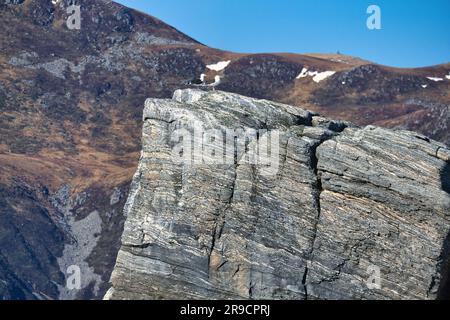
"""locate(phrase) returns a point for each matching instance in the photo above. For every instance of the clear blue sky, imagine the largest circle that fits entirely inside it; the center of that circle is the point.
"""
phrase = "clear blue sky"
(414, 32)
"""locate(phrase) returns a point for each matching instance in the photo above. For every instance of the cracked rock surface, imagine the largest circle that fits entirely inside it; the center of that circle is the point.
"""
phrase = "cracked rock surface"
(348, 212)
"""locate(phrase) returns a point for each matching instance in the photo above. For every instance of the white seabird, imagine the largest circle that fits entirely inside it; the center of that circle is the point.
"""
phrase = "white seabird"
(215, 83)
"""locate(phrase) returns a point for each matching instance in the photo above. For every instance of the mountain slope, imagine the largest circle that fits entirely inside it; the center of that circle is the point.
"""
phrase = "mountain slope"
(70, 123)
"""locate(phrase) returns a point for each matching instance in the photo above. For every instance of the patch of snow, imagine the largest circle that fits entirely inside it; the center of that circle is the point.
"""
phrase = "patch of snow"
(435, 79)
(317, 76)
(448, 76)
(323, 75)
(343, 82)
(303, 74)
(219, 66)
(424, 86)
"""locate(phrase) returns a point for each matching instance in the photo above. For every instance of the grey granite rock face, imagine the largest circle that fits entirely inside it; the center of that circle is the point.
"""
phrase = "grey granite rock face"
(339, 212)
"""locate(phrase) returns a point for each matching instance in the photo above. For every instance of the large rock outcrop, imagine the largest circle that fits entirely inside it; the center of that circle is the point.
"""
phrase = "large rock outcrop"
(70, 123)
(333, 211)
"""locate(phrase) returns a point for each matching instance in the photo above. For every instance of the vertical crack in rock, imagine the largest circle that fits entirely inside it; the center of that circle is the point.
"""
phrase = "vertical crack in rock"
(304, 279)
(220, 219)
(283, 160)
(317, 192)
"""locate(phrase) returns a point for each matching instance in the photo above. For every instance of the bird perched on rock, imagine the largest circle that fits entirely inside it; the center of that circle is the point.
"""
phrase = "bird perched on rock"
(215, 83)
(199, 81)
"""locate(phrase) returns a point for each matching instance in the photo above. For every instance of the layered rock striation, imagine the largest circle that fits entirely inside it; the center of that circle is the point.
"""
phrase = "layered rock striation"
(238, 198)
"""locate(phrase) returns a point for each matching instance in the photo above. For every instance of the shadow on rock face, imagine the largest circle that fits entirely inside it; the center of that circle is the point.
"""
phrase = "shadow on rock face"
(444, 290)
(445, 178)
